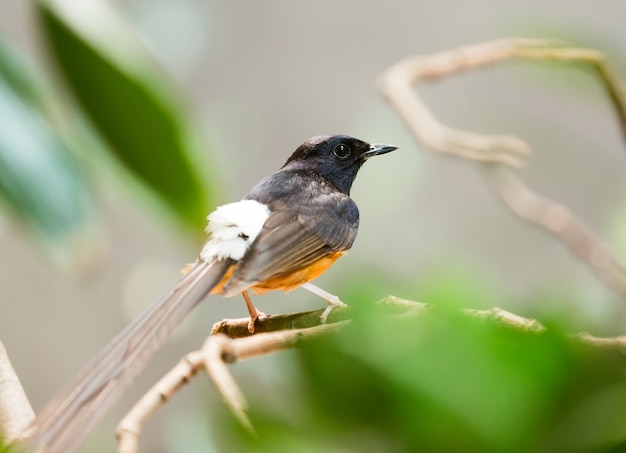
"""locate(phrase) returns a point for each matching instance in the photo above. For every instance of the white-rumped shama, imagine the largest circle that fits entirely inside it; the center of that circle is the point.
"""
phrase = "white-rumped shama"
(288, 229)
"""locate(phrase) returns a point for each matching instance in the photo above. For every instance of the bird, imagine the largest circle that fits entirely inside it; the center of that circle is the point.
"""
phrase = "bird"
(285, 232)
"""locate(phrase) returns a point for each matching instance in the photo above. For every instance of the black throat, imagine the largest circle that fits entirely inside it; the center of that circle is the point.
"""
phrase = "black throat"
(341, 178)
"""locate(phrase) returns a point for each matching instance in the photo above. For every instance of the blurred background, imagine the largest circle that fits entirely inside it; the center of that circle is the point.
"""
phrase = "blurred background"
(242, 84)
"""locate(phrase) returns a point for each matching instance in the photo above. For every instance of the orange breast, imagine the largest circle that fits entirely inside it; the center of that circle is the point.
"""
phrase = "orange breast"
(292, 280)
(288, 281)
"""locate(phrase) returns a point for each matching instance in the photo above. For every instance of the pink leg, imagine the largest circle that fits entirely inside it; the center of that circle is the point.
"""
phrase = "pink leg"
(254, 313)
(333, 301)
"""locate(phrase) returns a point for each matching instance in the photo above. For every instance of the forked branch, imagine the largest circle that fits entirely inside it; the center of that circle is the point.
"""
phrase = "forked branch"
(219, 350)
(497, 152)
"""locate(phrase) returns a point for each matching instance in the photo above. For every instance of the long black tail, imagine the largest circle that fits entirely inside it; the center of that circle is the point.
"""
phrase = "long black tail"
(69, 417)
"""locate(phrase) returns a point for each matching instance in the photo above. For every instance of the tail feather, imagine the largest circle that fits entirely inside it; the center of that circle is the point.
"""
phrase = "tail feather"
(68, 418)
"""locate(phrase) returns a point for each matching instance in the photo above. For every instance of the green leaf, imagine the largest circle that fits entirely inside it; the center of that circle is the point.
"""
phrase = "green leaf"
(39, 180)
(118, 87)
(439, 381)
(19, 76)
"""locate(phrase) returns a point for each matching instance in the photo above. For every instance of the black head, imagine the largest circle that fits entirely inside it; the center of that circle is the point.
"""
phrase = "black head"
(335, 157)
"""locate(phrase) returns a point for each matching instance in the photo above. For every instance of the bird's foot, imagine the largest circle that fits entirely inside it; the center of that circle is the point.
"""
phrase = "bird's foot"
(253, 317)
(333, 302)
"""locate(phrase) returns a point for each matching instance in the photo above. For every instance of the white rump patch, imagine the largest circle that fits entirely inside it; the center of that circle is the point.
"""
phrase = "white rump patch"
(232, 228)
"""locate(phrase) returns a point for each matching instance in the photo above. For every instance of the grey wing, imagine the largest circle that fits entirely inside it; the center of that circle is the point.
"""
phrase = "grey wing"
(290, 241)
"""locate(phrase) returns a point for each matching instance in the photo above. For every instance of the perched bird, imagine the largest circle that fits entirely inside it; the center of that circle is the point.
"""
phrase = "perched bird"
(288, 229)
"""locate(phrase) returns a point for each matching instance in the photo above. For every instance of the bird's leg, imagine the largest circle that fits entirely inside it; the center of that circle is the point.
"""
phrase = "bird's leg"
(333, 301)
(254, 313)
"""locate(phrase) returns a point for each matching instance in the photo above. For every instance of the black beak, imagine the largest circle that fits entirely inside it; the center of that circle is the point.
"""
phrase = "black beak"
(378, 149)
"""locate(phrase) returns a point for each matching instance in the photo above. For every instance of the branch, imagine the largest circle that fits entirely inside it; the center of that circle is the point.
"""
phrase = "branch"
(231, 341)
(219, 350)
(16, 414)
(496, 152)
(234, 328)
(559, 220)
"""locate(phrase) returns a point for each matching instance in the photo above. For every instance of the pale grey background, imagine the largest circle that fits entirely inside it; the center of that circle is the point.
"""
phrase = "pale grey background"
(260, 77)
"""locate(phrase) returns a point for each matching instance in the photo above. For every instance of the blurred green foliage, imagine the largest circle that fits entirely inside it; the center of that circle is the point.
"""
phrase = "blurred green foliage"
(135, 114)
(439, 381)
(443, 381)
(51, 145)
(4, 448)
(40, 180)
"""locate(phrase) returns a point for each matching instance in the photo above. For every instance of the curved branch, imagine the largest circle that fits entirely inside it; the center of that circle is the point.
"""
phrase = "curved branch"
(219, 350)
(497, 152)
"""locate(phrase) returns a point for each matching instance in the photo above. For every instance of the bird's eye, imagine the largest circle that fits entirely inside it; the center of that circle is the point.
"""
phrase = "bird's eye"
(342, 151)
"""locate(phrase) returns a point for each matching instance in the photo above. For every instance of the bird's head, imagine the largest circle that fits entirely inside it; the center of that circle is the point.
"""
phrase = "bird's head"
(335, 157)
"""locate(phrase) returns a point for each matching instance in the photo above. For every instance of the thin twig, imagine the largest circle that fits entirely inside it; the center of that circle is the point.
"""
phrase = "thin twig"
(272, 323)
(617, 344)
(16, 414)
(220, 350)
(407, 307)
(208, 358)
(217, 351)
(559, 220)
(495, 150)
(498, 152)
